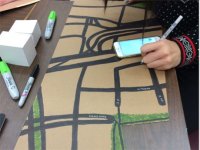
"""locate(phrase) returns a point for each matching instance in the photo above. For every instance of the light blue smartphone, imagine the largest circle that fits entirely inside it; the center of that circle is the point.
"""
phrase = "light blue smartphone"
(132, 47)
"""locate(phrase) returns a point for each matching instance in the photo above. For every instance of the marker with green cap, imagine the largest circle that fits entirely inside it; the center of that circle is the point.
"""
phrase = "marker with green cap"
(50, 24)
(9, 81)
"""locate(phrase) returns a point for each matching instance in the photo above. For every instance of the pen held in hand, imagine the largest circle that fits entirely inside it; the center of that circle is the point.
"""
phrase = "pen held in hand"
(171, 28)
(28, 86)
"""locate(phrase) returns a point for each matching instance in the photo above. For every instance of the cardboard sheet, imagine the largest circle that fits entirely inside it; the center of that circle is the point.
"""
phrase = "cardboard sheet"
(17, 4)
(88, 93)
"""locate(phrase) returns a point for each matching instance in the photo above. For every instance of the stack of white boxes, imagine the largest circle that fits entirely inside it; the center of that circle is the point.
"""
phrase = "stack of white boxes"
(18, 45)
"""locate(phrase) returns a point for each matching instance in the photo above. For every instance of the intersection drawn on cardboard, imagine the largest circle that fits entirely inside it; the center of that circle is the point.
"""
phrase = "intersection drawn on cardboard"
(88, 94)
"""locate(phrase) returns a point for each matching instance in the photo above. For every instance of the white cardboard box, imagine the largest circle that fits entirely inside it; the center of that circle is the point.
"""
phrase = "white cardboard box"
(17, 48)
(28, 27)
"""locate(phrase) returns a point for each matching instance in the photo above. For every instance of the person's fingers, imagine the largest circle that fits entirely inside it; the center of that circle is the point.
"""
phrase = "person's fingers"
(156, 64)
(164, 67)
(152, 56)
(161, 64)
(161, 55)
(146, 48)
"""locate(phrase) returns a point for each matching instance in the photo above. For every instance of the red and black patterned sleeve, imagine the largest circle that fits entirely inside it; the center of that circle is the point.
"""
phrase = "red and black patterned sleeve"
(189, 46)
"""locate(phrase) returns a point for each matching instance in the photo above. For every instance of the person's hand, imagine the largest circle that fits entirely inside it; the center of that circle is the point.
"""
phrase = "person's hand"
(3, 2)
(161, 55)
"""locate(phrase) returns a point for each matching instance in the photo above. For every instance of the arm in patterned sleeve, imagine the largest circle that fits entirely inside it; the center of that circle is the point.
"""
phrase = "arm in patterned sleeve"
(189, 46)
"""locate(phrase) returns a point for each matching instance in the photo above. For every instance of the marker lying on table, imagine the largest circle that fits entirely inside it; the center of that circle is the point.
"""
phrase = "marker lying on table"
(28, 86)
(9, 81)
(171, 28)
(50, 25)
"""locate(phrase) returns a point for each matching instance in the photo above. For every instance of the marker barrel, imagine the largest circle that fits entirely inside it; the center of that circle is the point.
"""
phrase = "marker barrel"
(26, 91)
(11, 86)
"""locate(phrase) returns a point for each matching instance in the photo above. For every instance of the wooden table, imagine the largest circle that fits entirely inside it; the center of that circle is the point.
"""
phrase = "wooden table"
(16, 116)
(170, 135)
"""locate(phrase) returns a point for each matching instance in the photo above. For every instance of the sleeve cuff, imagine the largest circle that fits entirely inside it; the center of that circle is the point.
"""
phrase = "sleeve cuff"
(188, 51)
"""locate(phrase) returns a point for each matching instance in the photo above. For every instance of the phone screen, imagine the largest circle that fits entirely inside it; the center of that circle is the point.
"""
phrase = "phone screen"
(132, 47)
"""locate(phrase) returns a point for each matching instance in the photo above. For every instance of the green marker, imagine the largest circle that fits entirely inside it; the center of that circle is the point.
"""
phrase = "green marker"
(50, 25)
(9, 81)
